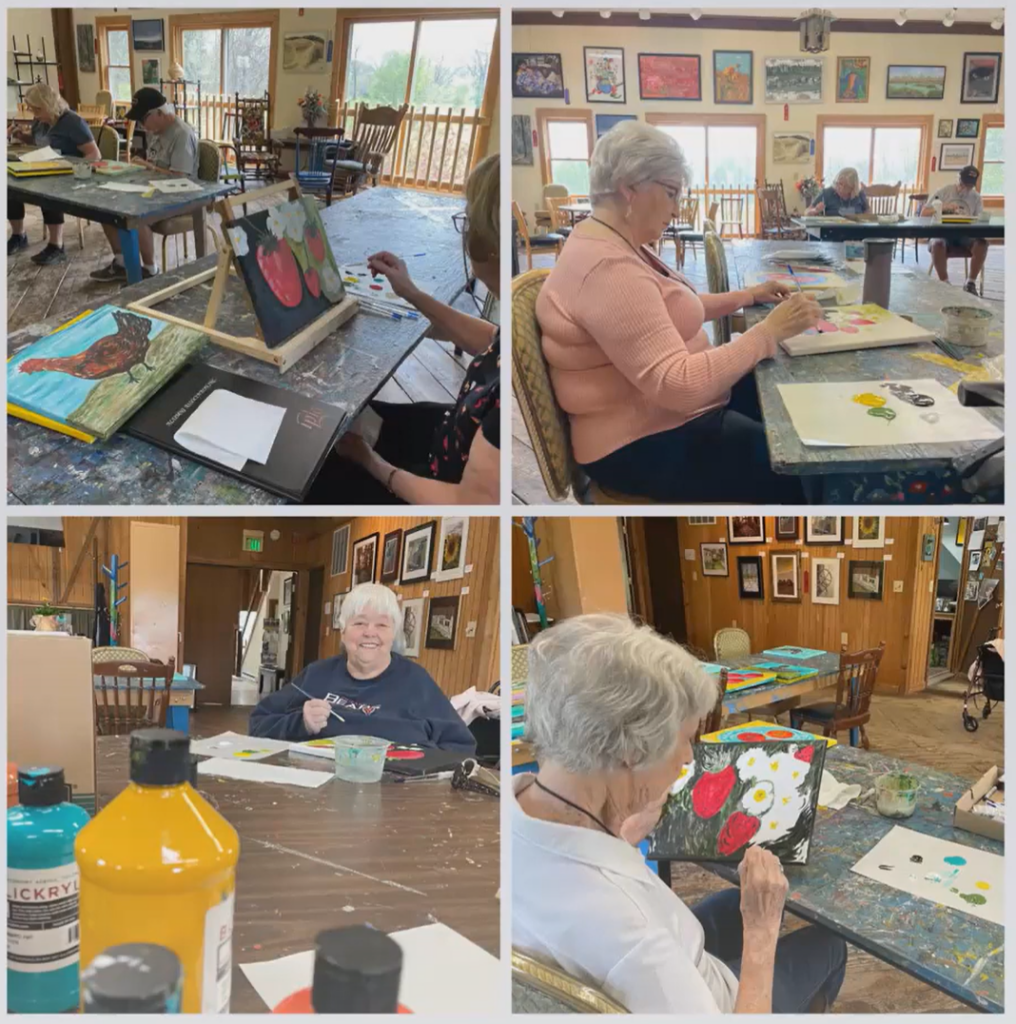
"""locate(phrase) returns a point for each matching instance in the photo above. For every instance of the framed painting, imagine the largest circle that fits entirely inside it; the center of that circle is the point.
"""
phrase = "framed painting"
(749, 577)
(390, 557)
(786, 528)
(786, 576)
(945, 128)
(826, 580)
(733, 77)
(412, 626)
(537, 75)
(305, 52)
(337, 611)
(823, 529)
(287, 591)
(954, 156)
(853, 78)
(148, 34)
(981, 72)
(151, 71)
(736, 795)
(714, 559)
(793, 79)
(86, 47)
(670, 76)
(365, 560)
(746, 529)
(975, 561)
(604, 74)
(968, 127)
(869, 531)
(915, 82)
(604, 122)
(865, 580)
(522, 140)
(451, 548)
(442, 623)
(793, 147)
(417, 552)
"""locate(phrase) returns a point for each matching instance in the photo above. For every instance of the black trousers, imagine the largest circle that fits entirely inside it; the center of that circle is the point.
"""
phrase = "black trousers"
(16, 211)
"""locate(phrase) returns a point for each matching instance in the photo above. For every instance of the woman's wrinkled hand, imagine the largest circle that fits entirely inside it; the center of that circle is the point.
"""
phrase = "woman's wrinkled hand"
(797, 314)
(763, 892)
(389, 265)
(315, 715)
(353, 447)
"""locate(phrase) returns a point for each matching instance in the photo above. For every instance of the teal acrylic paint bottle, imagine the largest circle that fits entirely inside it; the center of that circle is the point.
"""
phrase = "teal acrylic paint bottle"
(42, 895)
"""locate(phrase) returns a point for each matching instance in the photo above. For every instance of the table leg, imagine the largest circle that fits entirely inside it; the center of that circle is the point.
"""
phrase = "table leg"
(131, 253)
(663, 867)
(199, 232)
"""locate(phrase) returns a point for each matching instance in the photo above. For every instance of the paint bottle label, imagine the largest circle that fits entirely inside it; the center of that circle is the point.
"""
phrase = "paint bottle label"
(218, 958)
(42, 918)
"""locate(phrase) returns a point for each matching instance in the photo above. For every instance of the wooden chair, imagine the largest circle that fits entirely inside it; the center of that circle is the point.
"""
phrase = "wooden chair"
(375, 130)
(542, 243)
(540, 988)
(683, 229)
(257, 159)
(118, 654)
(883, 199)
(730, 642)
(551, 191)
(558, 221)
(852, 707)
(732, 214)
(209, 164)
(92, 114)
(913, 205)
(130, 694)
(719, 282)
(104, 100)
(107, 138)
(773, 213)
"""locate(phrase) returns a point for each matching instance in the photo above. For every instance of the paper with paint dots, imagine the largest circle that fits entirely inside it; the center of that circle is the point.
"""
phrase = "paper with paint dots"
(237, 747)
(960, 877)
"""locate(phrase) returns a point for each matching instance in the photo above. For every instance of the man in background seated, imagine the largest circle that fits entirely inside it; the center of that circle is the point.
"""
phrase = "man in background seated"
(172, 146)
(962, 199)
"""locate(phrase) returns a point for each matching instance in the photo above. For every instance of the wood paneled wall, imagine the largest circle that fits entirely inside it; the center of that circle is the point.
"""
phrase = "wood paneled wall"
(217, 541)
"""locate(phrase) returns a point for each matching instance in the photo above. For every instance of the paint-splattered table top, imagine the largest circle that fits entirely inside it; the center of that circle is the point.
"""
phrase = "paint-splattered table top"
(946, 948)
(913, 293)
(828, 666)
(47, 468)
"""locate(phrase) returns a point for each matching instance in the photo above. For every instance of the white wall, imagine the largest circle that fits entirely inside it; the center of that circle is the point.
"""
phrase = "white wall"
(34, 24)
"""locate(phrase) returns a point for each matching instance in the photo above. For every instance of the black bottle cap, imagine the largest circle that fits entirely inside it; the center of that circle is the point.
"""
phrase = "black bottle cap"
(356, 970)
(160, 757)
(135, 978)
(41, 787)
(195, 760)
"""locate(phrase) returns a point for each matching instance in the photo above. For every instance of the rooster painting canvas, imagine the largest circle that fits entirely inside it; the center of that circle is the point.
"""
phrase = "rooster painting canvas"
(98, 371)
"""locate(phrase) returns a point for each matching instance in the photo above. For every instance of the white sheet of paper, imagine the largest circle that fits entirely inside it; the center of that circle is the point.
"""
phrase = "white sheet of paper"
(242, 748)
(125, 186)
(231, 429)
(38, 155)
(442, 973)
(980, 875)
(245, 771)
(175, 185)
(368, 426)
(824, 414)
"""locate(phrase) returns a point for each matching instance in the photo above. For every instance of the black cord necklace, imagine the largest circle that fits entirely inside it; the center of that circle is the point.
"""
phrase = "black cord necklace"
(576, 807)
(610, 227)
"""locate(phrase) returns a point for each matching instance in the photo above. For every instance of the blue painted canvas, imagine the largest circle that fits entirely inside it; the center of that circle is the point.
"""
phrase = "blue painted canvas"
(604, 122)
(794, 652)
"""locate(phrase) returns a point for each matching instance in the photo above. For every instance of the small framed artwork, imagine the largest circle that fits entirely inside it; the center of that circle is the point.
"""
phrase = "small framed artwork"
(869, 531)
(522, 141)
(786, 528)
(670, 76)
(826, 581)
(287, 592)
(412, 626)
(451, 549)
(853, 77)
(701, 520)
(604, 74)
(793, 79)
(915, 82)
(151, 71)
(390, 557)
(417, 552)
(746, 529)
(749, 577)
(866, 580)
(714, 559)
(981, 73)
(945, 128)
(955, 156)
(442, 621)
(786, 576)
(975, 561)
(733, 77)
(823, 529)
(148, 34)
(337, 610)
(604, 122)
(365, 559)
(537, 75)
(968, 127)
(970, 591)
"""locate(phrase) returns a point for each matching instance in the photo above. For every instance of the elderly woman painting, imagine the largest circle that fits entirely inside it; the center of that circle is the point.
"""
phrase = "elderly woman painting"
(656, 411)
(376, 690)
(845, 195)
(612, 709)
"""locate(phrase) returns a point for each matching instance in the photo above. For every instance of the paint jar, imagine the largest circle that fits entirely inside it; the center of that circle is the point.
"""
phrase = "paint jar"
(360, 758)
(967, 325)
(158, 865)
(42, 895)
(82, 169)
(135, 978)
(878, 265)
(896, 795)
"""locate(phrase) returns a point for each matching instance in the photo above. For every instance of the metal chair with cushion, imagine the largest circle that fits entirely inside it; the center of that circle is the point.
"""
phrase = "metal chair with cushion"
(209, 164)
(130, 694)
(539, 988)
(107, 138)
(692, 237)
(731, 642)
(550, 242)
(682, 229)
(719, 282)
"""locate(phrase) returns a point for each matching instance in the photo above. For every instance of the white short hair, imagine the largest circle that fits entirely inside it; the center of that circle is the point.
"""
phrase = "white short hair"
(380, 599)
(632, 153)
(848, 176)
(606, 693)
(167, 109)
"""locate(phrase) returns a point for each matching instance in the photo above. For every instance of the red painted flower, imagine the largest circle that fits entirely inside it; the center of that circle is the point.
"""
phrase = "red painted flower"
(712, 790)
(737, 831)
(805, 754)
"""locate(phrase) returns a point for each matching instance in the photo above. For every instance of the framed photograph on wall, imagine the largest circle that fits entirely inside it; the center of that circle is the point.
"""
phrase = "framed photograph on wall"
(786, 576)
(866, 580)
(442, 622)
(853, 79)
(968, 127)
(945, 127)
(955, 156)
(412, 625)
(981, 73)
(390, 557)
(537, 75)
(733, 77)
(714, 559)
(869, 531)
(823, 529)
(670, 76)
(522, 141)
(148, 34)
(749, 577)
(151, 71)
(825, 587)
(604, 74)
(746, 529)
(337, 610)
(787, 528)
(793, 79)
(365, 559)
(417, 552)
(451, 548)
(287, 591)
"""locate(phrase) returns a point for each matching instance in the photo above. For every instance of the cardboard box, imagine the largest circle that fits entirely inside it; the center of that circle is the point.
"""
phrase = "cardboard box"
(51, 708)
(964, 817)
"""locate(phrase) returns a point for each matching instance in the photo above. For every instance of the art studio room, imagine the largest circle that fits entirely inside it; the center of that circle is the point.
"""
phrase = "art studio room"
(819, 822)
(253, 256)
(777, 236)
(212, 723)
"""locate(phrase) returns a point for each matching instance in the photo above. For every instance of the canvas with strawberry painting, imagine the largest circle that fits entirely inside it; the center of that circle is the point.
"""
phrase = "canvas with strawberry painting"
(286, 261)
(844, 328)
(741, 794)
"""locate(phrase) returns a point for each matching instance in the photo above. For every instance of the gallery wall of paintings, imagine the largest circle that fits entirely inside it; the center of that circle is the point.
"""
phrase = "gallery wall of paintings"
(615, 71)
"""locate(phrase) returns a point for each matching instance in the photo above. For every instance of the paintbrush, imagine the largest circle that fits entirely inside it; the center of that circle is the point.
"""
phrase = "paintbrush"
(793, 277)
(309, 697)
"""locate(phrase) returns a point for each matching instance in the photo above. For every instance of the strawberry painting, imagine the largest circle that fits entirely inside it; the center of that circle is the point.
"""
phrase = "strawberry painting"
(711, 791)
(315, 243)
(279, 269)
(737, 831)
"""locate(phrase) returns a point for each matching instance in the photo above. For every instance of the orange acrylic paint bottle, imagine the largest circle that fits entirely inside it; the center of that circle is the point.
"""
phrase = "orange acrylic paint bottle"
(158, 865)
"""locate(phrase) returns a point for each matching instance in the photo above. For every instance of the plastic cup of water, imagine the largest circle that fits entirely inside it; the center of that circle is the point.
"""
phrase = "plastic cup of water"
(360, 758)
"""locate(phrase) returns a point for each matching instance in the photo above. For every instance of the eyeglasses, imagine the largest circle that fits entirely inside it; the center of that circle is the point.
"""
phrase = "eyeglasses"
(461, 222)
(673, 194)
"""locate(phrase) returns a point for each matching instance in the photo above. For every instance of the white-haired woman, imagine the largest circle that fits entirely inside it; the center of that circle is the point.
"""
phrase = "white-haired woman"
(59, 127)
(845, 195)
(378, 691)
(655, 410)
(612, 709)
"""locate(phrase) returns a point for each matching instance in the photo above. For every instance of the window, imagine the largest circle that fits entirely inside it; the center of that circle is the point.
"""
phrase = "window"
(115, 56)
(993, 157)
(228, 60)
(567, 143)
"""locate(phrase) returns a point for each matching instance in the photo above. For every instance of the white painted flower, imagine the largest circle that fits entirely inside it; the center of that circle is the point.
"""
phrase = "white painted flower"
(788, 806)
(296, 221)
(751, 764)
(331, 284)
(238, 239)
(277, 222)
(686, 775)
(758, 798)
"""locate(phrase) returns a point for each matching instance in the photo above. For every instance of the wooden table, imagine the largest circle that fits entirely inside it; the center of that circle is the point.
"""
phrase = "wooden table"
(347, 369)
(396, 852)
(911, 227)
(828, 474)
(576, 210)
(828, 665)
(936, 944)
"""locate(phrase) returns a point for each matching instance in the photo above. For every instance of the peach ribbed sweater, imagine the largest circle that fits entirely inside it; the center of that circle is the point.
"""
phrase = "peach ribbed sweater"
(628, 356)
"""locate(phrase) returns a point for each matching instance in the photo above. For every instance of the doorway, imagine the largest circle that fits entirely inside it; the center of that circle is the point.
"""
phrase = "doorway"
(653, 551)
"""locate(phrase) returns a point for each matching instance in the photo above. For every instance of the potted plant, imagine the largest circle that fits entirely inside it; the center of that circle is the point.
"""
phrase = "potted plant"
(44, 618)
(809, 189)
(312, 106)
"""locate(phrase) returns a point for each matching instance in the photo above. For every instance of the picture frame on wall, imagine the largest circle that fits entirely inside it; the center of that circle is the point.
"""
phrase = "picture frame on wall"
(148, 34)
(823, 529)
(869, 531)
(670, 76)
(793, 79)
(537, 76)
(365, 560)
(981, 74)
(451, 549)
(522, 141)
(714, 559)
(442, 623)
(412, 625)
(151, 71)
(786, 568)
(865, 580)
(853, 79)
(604, 122)
(337, 611)
(746, 529)
(604, 67)
(86, 47)
(915, 82)
(787, 527)
(287, 592)
(954, 156)
(793, 147)
(390, 556)
(417, 552)
(826, 580)
(945, 127)
(750, 585)
(733, 77)
(968, 127)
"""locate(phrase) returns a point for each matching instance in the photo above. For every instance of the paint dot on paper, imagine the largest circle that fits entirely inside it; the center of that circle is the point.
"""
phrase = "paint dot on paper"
(917, 859)
(886, 867)
(975, 899)
(376, 287)
(982, 885)
(956, 860)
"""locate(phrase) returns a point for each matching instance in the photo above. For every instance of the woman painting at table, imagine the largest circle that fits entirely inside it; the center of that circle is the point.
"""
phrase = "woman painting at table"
(655, 409)
(845, 195)
(429, 452)
(376, 690)
(612, 709)
(60, 128)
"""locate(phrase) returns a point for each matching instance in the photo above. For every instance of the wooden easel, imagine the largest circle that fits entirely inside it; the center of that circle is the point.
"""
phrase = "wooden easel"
(282, 356)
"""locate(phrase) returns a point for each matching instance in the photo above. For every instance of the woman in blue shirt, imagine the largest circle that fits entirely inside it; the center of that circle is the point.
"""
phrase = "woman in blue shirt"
(845, 195)
(59, 127)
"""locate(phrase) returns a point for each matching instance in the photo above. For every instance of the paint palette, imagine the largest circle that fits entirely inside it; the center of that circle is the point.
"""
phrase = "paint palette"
(762, 732)
(794, 652)
(844, 328)
(359, 281)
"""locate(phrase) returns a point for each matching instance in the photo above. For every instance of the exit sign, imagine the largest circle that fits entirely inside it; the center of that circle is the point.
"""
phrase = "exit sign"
(253, 540)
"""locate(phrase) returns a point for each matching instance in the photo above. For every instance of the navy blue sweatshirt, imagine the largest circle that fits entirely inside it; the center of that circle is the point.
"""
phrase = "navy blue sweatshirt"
(403, 705)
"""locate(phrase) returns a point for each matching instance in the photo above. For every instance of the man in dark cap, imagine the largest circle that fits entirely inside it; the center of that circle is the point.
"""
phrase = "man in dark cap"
(172, 146)
(964, 200)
